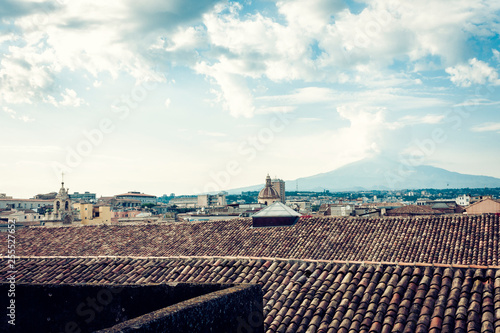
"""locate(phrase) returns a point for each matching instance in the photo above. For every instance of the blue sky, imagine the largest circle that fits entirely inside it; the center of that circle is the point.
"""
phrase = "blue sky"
(190, 96)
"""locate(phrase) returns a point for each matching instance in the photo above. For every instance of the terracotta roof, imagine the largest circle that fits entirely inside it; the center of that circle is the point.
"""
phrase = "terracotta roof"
(413, 210)
(481, 202)
(312, 296)
(470, 240)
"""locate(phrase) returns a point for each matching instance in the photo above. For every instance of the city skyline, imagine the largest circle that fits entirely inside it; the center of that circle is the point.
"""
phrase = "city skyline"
(163, 97)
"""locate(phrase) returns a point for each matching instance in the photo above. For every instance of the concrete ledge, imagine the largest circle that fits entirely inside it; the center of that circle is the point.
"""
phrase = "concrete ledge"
(173, 307)
(236, 309)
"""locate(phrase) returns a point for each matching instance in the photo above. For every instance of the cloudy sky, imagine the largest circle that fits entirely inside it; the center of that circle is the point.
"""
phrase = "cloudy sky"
(196, 95)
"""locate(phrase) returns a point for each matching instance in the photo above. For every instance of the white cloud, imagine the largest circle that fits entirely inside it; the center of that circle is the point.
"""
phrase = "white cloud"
(415, 120)
(275, 109)
(13, 115)
(318, 40)
(26, 119)
(84, 36)
(365, 130)
(307, 119)
(392, 99)
(167, 103)
(235, 93)
(323, 41)
(487, 127)
(188, 39)
(10, 112)
(69, 98)
(476, 72)
(477, 102)
(496, 55)
(212, 134)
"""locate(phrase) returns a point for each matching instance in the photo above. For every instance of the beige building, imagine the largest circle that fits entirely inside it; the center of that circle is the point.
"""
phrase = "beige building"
(268, 195)
(486, 206)
(279, 186)
(209, 200)
(93, 214)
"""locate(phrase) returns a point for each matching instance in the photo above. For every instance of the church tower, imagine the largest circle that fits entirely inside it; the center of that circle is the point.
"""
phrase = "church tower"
(62, 206)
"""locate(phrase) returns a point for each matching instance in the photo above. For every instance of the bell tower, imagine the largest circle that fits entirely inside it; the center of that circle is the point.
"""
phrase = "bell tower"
(62, 205)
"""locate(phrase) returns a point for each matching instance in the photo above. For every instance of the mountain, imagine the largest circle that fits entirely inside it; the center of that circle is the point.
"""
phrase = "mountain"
(380, 173)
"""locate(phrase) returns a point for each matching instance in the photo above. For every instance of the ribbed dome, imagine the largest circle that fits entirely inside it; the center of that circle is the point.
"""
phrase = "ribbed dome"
(268, 193)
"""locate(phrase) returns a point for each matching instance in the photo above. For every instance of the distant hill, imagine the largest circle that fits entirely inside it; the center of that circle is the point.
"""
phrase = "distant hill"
(380, 173)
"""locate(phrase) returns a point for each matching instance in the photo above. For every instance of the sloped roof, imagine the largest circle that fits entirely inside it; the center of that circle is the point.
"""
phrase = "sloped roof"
(440, 205)
(413, 210)
(277, 209)
(446, 239)
(482, 202)
(312, 296)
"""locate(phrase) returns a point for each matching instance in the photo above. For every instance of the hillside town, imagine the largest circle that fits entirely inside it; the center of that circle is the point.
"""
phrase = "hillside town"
(64, 208)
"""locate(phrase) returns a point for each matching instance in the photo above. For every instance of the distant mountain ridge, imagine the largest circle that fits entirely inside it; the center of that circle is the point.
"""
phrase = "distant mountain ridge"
(380, 173)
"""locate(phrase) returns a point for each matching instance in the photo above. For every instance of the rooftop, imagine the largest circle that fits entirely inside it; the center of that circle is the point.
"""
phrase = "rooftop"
(417, 274)
(413, 210)
(135, 194)
(310, 295)
(445, 239)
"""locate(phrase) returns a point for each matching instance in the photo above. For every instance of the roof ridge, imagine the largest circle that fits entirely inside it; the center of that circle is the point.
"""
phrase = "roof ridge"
(347, 262)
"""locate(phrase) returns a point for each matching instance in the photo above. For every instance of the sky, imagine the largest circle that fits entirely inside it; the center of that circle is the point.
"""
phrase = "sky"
(193, 96)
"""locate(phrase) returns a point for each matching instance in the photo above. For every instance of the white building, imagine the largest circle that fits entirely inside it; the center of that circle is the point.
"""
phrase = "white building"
(25, 215)
(303, 206)
(198, 201)
(463, 200)
(143, 198)
(24, 203)
(341, 210)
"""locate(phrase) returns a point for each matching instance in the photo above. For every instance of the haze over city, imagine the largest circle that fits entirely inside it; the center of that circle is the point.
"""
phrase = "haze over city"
(165, 96)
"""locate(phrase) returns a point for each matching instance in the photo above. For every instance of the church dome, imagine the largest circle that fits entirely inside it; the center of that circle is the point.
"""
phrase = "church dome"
(268, 192)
